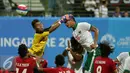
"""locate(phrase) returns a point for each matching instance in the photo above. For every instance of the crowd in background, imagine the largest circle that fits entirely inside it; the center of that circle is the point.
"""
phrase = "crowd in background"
(79, 8)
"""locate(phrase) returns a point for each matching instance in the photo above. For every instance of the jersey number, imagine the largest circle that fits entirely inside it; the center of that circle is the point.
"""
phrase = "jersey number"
(24, 71)
(99, 69)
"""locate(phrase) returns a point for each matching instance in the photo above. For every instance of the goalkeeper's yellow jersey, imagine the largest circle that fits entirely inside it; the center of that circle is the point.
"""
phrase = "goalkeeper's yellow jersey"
(39, 43)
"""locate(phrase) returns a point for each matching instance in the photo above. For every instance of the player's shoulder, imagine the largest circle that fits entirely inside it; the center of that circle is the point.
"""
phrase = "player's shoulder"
(67, 69)
(17, 58)
(33, 58)
(52, 69)
(99, 57)
(124, 53)
(83, 23)
(128, 59)
(46, 29)
(110, 59)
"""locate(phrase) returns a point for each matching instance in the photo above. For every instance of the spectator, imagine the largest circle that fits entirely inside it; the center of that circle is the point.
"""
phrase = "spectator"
(126, 14)
(117, 12)
(96, 12)
(10, 7)
(90, 7)
(78, 8)
(103, 10)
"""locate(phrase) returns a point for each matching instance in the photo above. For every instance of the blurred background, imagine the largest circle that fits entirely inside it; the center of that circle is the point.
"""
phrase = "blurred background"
(111, 17)
(79, 8)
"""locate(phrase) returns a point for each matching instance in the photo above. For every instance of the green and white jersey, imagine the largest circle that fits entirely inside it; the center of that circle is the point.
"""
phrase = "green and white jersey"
(127, 65)
(121, 58)
(82, 34)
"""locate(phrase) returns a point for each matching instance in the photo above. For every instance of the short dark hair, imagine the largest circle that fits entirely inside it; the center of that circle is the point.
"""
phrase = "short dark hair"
(75, 44)
(74, 19)
(34, 22)
(59, 60)
(106, 48)
(22, 50)
(71, 18)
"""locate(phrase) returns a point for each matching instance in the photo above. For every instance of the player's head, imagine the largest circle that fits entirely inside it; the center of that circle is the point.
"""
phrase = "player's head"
(70, 20)
(59, 60)
(76, 46)
(106, 48)
(37, 25)
(22, 50)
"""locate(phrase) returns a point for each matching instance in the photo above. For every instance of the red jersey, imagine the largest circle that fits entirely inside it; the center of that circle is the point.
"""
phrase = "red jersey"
(24, 65)
(104, 65)
(58, 70)
(43, 63)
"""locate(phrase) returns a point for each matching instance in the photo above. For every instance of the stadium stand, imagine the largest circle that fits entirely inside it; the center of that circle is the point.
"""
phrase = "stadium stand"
(58, 8)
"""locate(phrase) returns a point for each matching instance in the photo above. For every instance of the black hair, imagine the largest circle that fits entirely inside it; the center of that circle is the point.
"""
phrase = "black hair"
(75, 44)
(22, 50)
(72, 17)
(34, 22)
(59, 60)
(106, 48)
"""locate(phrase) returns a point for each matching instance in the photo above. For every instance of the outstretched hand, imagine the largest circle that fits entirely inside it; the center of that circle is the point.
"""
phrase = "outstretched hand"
(65, 18)
(62, 20)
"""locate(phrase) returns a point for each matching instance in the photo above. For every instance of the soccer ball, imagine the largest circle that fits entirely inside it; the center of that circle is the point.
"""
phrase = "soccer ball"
(22, 10)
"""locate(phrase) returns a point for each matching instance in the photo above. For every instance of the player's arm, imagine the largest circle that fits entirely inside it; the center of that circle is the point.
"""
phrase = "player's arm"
(75, 55)
(120, 58)
(65, 52)
(115, 71)
(57, 24)
(96, 32)
(117, 62)
(46, 70)
(54, 26)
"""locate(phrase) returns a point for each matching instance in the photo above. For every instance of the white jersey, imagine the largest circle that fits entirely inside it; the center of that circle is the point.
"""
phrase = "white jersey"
(77, 67)
(121, 58)
(127, 64)
(83, 35)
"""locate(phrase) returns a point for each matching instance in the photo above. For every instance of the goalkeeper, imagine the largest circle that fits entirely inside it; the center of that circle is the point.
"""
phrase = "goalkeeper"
(41, 36)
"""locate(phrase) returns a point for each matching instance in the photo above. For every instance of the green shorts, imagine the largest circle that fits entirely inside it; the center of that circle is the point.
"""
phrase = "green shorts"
(90, 58)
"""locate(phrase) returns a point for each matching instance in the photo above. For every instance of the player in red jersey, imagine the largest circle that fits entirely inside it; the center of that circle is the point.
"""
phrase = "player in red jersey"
(59, 61)
(24, 63)
(103, 64)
